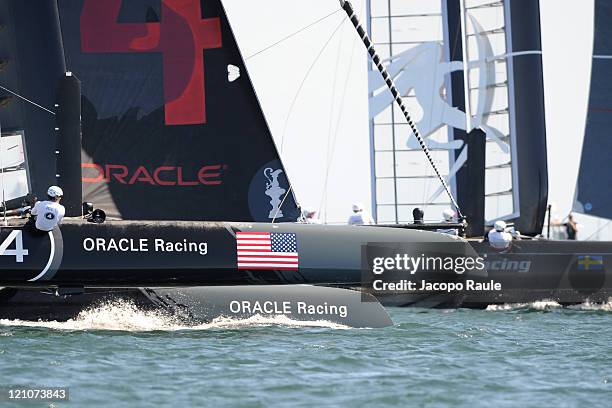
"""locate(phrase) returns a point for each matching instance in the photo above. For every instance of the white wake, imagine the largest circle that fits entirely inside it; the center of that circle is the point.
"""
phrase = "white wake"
(545, 305)
(126, 316)
(537, 305)
(602, 307)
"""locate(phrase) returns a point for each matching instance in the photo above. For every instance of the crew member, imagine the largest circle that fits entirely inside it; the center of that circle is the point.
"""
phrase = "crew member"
(418, 216)
(310, 216)
(50, 212)
(360, 216)
(571, 227)
(449, 218)
(498, 237)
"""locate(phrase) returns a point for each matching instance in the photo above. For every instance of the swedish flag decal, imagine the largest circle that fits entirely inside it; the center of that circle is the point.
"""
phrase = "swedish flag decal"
(590, 262)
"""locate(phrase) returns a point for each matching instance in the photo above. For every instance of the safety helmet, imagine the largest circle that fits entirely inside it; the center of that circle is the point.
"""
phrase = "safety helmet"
(357, 207)
(55, 191)
(448, 214)
(500, 226)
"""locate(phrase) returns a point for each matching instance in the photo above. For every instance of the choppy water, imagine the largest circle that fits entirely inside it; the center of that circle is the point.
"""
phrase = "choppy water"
(516, 355)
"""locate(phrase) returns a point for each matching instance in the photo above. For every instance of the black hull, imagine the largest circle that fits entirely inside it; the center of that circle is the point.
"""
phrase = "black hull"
(57, 275)
(46, 305)
(124, 254)
(83, 264)
(192, 306)
(531, 271)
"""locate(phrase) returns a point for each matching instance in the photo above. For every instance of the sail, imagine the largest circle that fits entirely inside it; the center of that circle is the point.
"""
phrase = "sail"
(408, 34)
(31, 63)
(171, 125)
(465, 75)
(592, 195)
(527, 112)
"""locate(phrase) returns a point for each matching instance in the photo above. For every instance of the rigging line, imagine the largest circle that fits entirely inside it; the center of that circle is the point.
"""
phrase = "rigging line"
(283, 202)
(333, 98)
(348, 8)
(331, 114)
(27, 100)
(598, 230)
(291, 35)
(297, 94)
(336, 129)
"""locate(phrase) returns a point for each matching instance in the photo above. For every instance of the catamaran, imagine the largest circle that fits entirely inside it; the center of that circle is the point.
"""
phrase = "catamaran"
(474, 67)
(154, 123)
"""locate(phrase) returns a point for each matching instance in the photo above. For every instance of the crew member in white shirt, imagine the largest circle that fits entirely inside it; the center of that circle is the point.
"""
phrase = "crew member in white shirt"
(49, 213)
(360, 216)
(449, 218)
(310, 216)
(498, 237)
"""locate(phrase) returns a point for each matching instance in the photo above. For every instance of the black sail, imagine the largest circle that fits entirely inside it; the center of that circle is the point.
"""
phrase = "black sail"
(592, 192)
(31, 63)
(171, 125)
(529, 112)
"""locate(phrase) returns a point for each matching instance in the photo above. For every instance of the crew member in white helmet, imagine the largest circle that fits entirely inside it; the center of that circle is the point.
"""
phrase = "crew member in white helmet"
(50, 212)
(449, 218)
(360, 216)
(498, 237)
(310, 216)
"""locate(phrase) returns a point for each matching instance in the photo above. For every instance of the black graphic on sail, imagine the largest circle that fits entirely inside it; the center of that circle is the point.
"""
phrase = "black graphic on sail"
(171, 125)
(592, 192)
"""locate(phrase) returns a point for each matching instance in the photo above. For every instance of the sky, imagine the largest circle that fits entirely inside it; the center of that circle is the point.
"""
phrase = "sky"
(313, 91)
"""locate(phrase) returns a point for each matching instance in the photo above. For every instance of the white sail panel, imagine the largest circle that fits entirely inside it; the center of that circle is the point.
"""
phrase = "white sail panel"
(415, 8)
(409, 35)
(14, 177)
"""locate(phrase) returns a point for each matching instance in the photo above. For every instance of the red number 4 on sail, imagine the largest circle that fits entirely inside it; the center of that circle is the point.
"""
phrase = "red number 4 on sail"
(180, 37)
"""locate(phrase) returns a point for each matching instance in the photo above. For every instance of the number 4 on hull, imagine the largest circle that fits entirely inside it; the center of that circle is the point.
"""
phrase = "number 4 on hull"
(18, 252)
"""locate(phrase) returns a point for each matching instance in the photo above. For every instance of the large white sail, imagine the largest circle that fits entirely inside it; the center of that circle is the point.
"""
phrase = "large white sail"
(419, 40)
(407, 35)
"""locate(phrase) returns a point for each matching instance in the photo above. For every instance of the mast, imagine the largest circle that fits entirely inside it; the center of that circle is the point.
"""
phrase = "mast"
(4, 221)
(68, 117)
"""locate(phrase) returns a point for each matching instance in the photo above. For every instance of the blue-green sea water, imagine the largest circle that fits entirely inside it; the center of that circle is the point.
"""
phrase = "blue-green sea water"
(516, 356)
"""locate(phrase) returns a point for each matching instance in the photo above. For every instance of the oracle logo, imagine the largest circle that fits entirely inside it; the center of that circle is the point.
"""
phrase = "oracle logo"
(210, 175)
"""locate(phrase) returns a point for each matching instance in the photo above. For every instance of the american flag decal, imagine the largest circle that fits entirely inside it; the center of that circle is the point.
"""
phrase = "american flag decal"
(267, 250)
